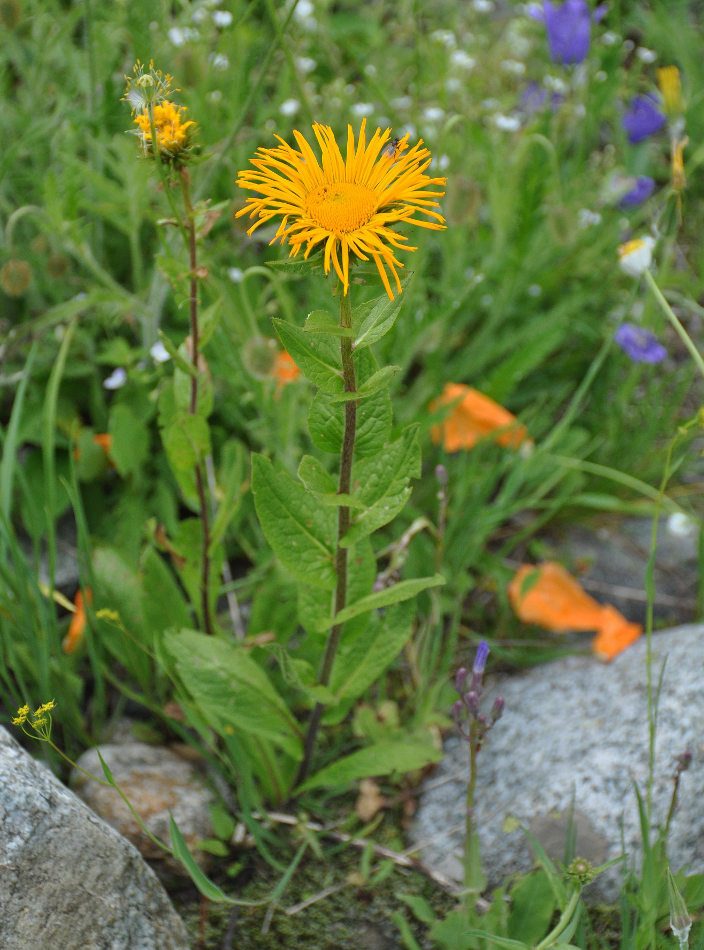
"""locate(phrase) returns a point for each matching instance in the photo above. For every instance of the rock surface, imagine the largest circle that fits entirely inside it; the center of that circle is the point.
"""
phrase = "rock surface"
(70, 881)
(158, 783)
(576, 730)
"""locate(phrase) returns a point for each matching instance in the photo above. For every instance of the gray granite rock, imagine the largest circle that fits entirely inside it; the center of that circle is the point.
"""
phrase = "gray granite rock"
(159, 783)
(68, 879)
(575, 732)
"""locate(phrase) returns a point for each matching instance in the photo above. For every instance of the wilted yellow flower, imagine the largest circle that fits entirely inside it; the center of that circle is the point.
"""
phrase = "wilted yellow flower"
(636, 256)
(679, 179)
(172, 133)
(15, 277)
(670, 85)
(348, 203)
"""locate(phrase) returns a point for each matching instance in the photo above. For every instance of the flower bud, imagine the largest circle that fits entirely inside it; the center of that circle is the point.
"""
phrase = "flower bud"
(460, 678)
(497, 709)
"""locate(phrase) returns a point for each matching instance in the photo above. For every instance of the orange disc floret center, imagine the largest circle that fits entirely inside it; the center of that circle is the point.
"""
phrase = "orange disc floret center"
(342, 206)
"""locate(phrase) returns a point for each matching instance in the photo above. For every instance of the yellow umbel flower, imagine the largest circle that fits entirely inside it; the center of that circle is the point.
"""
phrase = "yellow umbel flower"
(172, 133)
(670, 86)
(347, 204)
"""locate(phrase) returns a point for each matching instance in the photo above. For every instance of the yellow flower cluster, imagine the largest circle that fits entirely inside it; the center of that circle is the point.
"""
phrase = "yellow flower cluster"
(172, 133)
(157, 117)
(39, 720)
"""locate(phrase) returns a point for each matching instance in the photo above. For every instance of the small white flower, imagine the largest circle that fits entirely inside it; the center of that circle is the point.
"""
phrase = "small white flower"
(116, 379)
(646, 55)
(601, 76)
(453, 84)
(370, 69)
(236, 275)
(446, 37)
(159, 353)
(304, 10)
(462, 59)
(636, 256)
(219, 61)
(555, 84)
(179, 36)
(535, 290)
(433, 114)
(199, 15)
(362, 109)
(610, 39)
(513, 66)
(681, 525)
(215, 95)
(586, 218)
(402, 102)
(507, 123)
(483, 6)
(222, 18)
(443, 162)
(305, 64)
(289, 107)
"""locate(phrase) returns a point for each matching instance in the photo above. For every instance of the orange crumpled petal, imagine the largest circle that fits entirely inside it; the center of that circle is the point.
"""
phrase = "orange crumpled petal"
(284, 370)
(556, 601)
(474, 417)
(76, 628)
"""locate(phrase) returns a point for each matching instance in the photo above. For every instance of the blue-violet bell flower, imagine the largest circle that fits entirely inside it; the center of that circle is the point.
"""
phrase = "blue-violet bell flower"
(639, 344)
(643, 118)
(568, 26)
(640, 189)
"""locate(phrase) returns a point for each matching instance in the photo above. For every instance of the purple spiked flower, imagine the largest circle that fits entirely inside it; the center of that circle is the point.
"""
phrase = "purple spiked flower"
(568, 27)
(480, 658)
(639, 344)
(643, 118)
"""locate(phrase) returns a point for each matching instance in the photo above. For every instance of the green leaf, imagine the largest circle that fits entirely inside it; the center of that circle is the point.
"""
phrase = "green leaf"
(231, 690)
(186, 440)
(318, 359)
(404, 590)
(497, 941)
(380, 380)
(230, 480)
(315, 606)
(315, 476)
(300, 530)
(381, 319)
(130, 440)
(321, 321)
(208, 321)
(182, 383)
(532, 907)
(383, 479)
(381, 759)
(362, 660)
(203, 883)
(420, 908)
(162, 603)
(326, 420)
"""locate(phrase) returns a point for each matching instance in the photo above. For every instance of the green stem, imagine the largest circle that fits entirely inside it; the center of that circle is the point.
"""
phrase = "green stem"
(681, 332)
(343, 524)
(474, 879)
(193, 407)
(565, 918)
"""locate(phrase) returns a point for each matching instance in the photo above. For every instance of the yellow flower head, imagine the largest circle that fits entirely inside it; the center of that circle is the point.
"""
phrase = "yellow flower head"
(21, 716)
(670, 86)
(172, 133)
(348, 203)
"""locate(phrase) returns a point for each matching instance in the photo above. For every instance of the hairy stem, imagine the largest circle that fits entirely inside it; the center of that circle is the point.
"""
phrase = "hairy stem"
(193, 406)
(343, 524)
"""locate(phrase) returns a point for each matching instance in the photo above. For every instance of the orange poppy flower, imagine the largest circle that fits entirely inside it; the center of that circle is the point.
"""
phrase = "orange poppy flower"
(76, 628)
(284, 370)
(473, 417)
(547, 595)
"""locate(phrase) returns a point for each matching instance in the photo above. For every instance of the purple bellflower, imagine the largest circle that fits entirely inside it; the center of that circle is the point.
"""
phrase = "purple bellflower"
(569, 28)
(641, 188)
(639, 344)
(643, 118)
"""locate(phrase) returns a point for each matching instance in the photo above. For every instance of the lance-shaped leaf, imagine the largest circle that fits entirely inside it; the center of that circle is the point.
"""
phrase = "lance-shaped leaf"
(381, 482)
(321, 321)
(326, 420)
(360, 661)
(404, 590)
(231, 689)
(380, 759)
(315, 606)
(301, 531)
(317, 357)
(381, 319)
